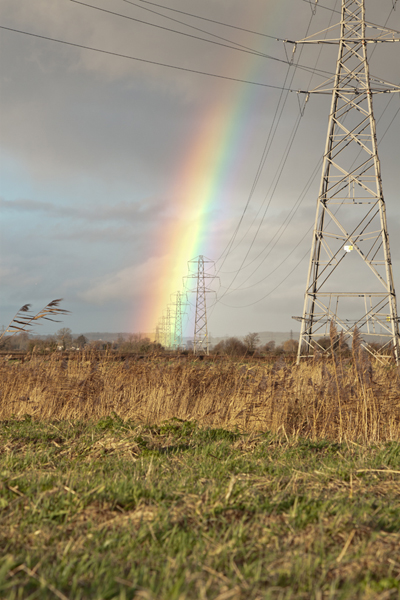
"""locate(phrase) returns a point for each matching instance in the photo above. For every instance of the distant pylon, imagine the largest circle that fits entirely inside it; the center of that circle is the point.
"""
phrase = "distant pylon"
(179, 304)
(162, 330)
(168, 328)
(157, 337)
(200, 340)
(350, 279)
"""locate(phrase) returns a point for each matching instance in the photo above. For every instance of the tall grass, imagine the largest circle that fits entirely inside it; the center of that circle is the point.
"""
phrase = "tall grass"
(354, 399)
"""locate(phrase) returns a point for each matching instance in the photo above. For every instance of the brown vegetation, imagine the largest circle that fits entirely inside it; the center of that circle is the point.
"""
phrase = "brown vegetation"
(355, 399)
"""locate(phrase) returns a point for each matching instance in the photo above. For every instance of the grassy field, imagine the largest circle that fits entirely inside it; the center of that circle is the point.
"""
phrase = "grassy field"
(338, 399)
(185, 480)
(116, 510)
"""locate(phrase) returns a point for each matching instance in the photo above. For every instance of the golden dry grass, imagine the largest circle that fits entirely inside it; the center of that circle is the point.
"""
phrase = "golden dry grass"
(342, 399)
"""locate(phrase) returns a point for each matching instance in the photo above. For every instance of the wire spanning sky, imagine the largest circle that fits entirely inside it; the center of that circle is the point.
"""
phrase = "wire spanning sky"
(137, 143)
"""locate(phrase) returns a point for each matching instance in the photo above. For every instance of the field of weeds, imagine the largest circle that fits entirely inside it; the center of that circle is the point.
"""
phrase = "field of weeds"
(354, 399)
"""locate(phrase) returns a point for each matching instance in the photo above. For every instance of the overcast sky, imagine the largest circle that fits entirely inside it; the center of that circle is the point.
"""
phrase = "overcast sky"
(114, 170)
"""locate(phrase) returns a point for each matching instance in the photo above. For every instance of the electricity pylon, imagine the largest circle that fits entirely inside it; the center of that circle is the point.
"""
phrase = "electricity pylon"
(168, 328)
(162, 328)
(157, 337)
(350, 279)
(200, 340)
(179, 304)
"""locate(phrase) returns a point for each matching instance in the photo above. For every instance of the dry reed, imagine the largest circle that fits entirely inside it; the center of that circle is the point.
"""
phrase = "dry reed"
(339, 399)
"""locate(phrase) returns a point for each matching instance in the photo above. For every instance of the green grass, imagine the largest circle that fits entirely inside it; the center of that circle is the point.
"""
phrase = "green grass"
(112, 510)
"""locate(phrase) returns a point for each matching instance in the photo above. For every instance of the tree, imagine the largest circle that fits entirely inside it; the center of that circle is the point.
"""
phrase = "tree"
(80, 342)
(231, 347)
(251, 341)
(64, 337)
(269, 346)
(323, 342)
(290, 346)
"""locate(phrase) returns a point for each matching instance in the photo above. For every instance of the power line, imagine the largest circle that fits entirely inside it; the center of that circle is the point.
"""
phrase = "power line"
(238, 47)
(273, 290)
(190, 35)
(155, 12)
(287, 221)
(307, 232)
(360, 186)
(151, 62)
(277, 178)
(272, 37)
(315, 5)
(261, 166)
(297, 205)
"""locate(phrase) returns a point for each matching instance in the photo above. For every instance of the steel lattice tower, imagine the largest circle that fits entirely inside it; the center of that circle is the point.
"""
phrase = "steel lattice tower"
(157, 337)
(200, 340)
(163, 331)
(179, 304)
(168, 328)
(350, 279)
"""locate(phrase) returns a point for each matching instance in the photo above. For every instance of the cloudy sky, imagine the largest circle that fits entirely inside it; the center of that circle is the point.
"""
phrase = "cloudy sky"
(115, 172)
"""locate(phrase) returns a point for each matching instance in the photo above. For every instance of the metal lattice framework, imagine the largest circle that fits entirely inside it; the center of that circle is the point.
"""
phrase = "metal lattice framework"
(162, 331)
(350, 279)
(157, 335)
(168, 327)
(200, 340)
(179, 304)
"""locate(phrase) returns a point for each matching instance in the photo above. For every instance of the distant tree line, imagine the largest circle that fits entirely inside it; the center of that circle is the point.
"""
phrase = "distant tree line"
(250, 346)
(64, 340)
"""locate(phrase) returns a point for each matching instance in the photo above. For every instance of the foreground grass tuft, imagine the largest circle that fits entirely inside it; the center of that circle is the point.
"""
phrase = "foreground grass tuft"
(116, 510)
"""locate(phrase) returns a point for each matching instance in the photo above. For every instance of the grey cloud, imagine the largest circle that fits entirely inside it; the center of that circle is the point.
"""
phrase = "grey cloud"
(102, 143)
(122, 211)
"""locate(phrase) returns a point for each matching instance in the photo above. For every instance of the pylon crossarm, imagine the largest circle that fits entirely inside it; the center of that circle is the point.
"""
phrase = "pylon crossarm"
(391, 86)
(331, 41)
(327, 91)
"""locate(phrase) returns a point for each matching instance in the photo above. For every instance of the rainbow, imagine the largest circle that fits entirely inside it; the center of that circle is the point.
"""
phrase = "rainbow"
(201, 186)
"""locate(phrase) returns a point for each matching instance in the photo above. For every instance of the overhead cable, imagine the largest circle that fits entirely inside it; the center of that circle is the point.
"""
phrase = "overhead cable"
(314, 4)
(272, 37)
(271, 291)
(303, 237)
(190, 35)
(273, 185)
(237, 47)
(265, 154)
(151, 62)
(155, 12)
